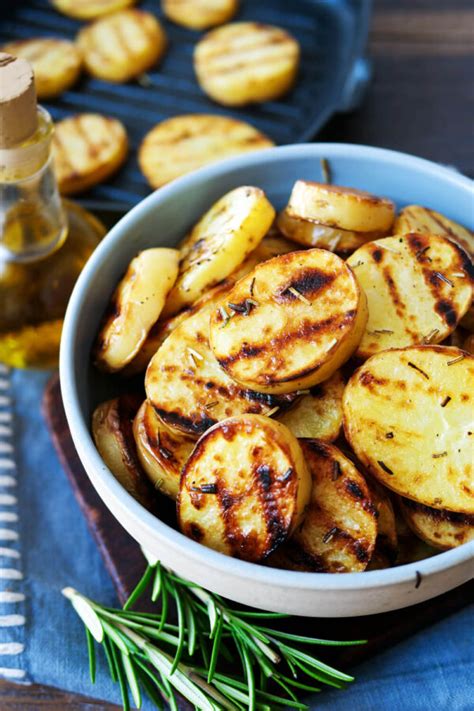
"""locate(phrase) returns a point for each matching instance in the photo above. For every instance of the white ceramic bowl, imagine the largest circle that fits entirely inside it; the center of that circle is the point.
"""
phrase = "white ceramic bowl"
(162, 219)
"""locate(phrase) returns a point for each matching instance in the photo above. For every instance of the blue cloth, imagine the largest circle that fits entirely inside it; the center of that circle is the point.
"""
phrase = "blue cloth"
(433, 670)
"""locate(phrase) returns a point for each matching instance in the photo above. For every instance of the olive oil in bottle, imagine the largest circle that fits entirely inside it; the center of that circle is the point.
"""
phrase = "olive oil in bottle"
(44, 241)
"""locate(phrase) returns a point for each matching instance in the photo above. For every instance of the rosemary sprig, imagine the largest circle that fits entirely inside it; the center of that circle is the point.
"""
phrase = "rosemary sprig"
(148, 654)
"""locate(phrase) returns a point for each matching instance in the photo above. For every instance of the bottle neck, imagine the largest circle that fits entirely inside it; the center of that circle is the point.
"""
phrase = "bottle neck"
(32, 220)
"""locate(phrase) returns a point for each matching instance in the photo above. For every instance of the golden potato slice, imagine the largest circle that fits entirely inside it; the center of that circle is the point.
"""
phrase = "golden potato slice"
(295, 320)
(135, 306)
(246, 62)
(199, 14)
(219, 243)
(318, 414)
(341, 208)
(181, 144)
(90, 9)
(87, 149)
(56, 63)
(162, 453)
(417, 287)
(188, 389)
(122, 45)
(438, 528)
(415, 218)
(314, 234)
(112, 430)
(409, 416)
(340, 526)
(244, 488)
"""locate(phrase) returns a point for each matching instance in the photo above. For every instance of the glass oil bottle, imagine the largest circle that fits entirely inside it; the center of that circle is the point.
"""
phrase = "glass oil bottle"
(44, 241)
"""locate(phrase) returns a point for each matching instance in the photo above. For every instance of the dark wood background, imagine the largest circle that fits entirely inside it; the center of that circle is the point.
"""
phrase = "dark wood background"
(421, 101)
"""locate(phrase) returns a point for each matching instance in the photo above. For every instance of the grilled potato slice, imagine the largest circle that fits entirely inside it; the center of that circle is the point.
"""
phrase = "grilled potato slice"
(415, 218)
(314, 234)
(339, 530)
(87, 149)
(219, 243)
(112, 431)
(56, 63)
(341, 208)
(162, 453)
(199, 14)
(244, 488)
(438, 528)
(135, 306)
(295, 319)
(408, 415)
(122, 45)
(188, 389)
(90, 9)
(181, 144)
(410, 547)
(246, 62)
(318, 414)
(417, 286)
(268, 247)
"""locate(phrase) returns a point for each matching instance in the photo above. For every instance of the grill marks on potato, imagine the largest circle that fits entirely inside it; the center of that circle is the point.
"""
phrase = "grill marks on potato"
(417, 286)
(162, 453)
(439, 528)
(184, 143)
(415, 218)
(87, 149)
(246, 62)
(190, 392)
(406, 431)
(244, 488)
(305, 318)
(112, 429)
(122, 45)
(340, 527)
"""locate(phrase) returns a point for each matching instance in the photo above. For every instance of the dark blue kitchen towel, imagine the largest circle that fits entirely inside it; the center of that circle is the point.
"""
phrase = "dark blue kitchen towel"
(45, 545)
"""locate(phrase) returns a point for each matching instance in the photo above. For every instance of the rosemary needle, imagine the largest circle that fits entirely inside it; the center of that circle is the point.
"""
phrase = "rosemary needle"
(147, 654)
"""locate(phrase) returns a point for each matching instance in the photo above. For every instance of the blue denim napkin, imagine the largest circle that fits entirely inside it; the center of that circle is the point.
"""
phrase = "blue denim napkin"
(45, 545)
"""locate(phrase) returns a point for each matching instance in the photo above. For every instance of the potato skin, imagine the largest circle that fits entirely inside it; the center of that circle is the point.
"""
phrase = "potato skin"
(112, 423)
(244, 488)
(340, 207)
(339, 530)
(408, 417)
(135, 306)
(296, 319)
(438, 528)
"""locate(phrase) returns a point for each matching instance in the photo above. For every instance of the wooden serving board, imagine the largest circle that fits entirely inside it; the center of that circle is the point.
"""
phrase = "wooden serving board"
(125, 562)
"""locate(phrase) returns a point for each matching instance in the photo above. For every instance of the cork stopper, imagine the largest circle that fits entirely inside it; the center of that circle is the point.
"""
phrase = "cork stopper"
(18, 116)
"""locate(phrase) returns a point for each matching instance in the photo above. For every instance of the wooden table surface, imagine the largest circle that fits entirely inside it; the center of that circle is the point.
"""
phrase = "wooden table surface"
(421, 101)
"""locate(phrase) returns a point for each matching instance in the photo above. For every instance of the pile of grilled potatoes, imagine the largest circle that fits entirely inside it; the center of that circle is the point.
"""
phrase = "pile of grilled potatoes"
(308, 379)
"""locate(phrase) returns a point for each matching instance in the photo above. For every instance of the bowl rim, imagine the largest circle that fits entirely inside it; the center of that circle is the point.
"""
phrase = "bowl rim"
(142, 518)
